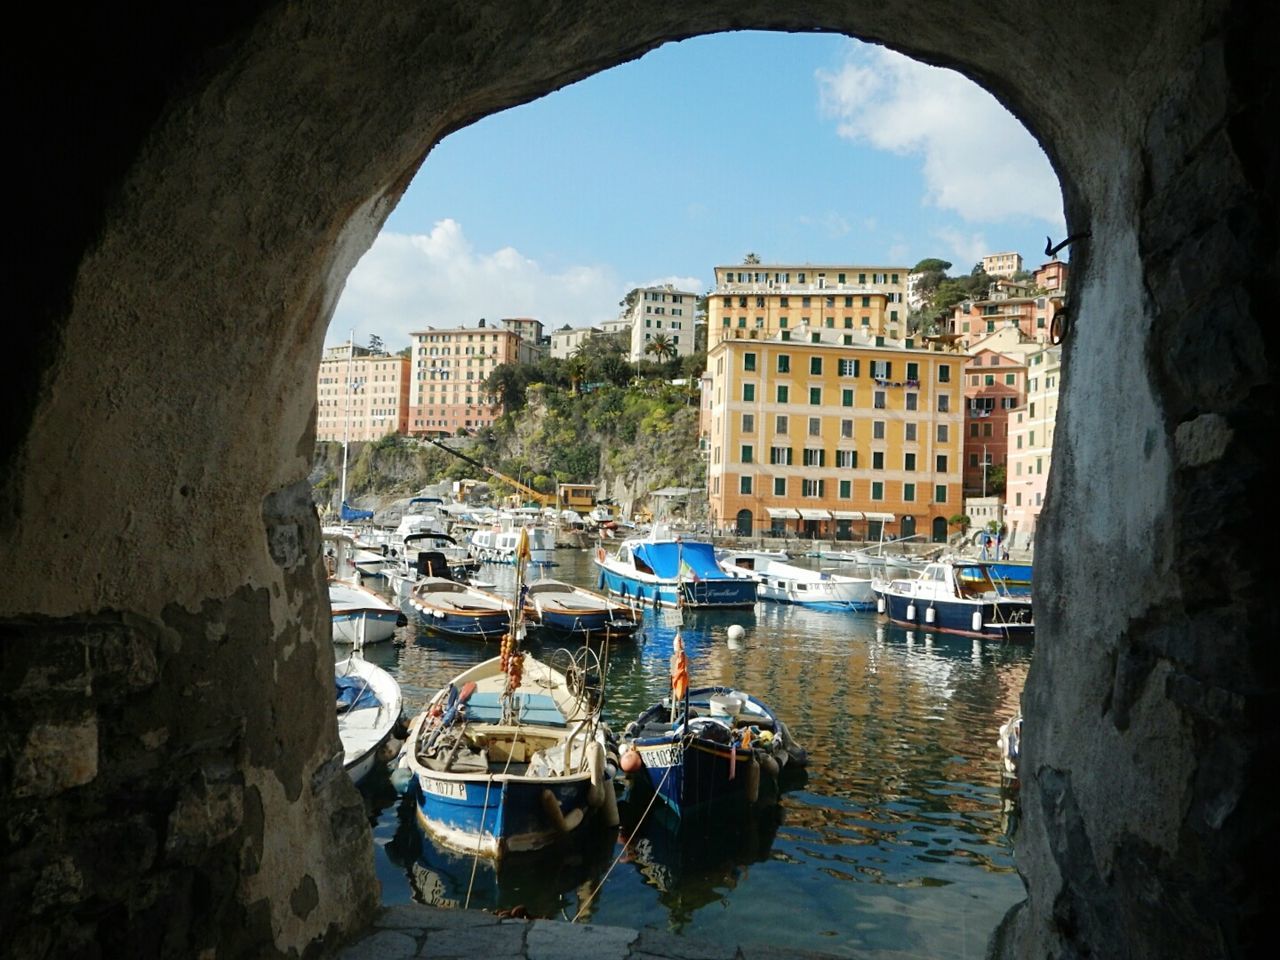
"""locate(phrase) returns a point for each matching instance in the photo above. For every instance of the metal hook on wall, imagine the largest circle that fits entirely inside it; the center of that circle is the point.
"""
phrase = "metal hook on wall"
(1051, 251)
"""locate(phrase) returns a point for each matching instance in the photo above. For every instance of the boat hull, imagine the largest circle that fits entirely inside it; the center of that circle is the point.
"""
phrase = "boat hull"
(479, 626)
(376, 628)
(997, 619)
(494, 816)
(729, 592)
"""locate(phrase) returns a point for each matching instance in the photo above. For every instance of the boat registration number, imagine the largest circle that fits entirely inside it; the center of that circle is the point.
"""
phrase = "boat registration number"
(445, 788)
(663, 756)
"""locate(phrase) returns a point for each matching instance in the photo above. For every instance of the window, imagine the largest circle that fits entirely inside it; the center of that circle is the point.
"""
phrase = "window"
(877, 399)
(780, 455)
(744, 484)
(784, 301)
(877, 490)
(973, 459)
(815, 396)
(847, 458)
(944, 403)
(909, 462)
(780, 425)
(748, 423)
(909, 492)
(815, 366)
(877, 429)
(782, 393)
(989, 380)
(940, 493)
(877, 460)
(973, 429)
(912, 401)
(846, 489)
(815, 457)
(846, 398)
(848, 368)
(944, 373)
(749, 392)
(746, 453)
(815, 426)
(881, 369)
(846, 428)
(866, 301)
(811, 488)
(909, 432)
(779, 486)
(913, 371)
(941, 463)
(986, 429)
(943, 433)
(749, 362)
(784, 362)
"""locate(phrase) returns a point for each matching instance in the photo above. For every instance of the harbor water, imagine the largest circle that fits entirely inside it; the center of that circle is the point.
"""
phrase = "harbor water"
(894, 843)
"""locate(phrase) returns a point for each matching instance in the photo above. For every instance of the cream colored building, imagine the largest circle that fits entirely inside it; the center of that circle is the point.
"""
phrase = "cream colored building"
(755, 301)
(1031, 447)
(661, 312)
(832, 433)
(361, 395)
(448, 371)
(1002, 264)
(566, 341)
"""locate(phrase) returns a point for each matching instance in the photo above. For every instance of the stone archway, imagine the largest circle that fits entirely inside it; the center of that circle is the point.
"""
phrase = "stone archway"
(193, 203)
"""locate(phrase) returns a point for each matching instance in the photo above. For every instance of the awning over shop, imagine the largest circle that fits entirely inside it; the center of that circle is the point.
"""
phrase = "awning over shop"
(847, 514)
(782, 513)
(882, 517)
(815, 514)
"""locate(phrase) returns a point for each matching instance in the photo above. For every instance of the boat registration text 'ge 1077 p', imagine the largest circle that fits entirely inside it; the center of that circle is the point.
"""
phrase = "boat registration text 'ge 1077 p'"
(445, 788)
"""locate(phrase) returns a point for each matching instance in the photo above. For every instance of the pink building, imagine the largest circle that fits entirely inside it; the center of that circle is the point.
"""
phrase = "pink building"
(361, 395)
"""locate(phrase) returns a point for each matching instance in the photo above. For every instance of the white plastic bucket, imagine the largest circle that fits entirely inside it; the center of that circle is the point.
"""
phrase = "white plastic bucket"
(725, 705)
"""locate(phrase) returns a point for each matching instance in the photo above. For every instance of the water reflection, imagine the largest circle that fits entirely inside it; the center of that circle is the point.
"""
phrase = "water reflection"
(897, 843)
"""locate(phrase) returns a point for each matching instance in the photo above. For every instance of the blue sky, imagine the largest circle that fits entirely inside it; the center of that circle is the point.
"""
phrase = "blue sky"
(801, 148)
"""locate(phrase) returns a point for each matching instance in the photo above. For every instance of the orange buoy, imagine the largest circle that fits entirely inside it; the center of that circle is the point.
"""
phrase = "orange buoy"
(630, 760)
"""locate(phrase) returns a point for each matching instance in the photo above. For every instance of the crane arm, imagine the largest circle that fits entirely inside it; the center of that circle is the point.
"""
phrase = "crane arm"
(543, 498)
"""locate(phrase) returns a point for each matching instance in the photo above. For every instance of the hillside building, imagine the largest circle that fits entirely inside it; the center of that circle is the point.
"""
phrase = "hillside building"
(832, 433)
(361, 395)
(1031, 431)
(661, 312)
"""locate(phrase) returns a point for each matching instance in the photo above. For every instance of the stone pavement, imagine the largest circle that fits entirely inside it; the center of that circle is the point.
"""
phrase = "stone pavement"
(414, 930)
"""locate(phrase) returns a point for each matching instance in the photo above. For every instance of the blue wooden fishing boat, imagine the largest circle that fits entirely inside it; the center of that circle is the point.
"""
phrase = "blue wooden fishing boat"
(571, 612)
(671, 572)
(704, 748)
(509, 759)
(457, 609)
(954, 595)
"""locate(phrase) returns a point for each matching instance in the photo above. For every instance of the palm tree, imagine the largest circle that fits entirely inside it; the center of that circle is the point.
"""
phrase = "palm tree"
(661, 347)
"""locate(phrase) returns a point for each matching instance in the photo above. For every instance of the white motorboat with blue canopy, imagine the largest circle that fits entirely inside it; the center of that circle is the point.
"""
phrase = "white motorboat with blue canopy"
(670, 571)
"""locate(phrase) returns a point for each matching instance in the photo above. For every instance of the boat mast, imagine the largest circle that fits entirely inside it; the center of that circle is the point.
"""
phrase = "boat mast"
(346, 428)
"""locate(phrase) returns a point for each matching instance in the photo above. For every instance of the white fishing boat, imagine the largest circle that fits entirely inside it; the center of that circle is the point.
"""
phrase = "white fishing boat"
(783, 582)
(369, 705)
(359, 615)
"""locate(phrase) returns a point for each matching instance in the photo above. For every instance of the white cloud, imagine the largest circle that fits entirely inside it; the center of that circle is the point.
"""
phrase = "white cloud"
(979, 161)
(407, 282)
(962, 249)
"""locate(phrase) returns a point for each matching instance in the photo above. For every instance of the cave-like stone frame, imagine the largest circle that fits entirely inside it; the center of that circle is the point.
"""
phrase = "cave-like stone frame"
(193, 186)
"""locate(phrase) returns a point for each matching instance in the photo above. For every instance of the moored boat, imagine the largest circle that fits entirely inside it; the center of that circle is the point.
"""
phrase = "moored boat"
(669, 571)
(953, 595)
(572, 612)
(359, 615)
(512, 755)
(783, 582)
(707, 747)
(370, 725)
(458, 609)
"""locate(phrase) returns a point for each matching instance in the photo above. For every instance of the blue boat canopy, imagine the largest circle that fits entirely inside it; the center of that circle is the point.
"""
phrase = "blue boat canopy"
(664, 558)
(350, 513)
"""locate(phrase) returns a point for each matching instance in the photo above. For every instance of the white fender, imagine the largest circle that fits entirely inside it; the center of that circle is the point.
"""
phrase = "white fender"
(596, 795)
(977, 621)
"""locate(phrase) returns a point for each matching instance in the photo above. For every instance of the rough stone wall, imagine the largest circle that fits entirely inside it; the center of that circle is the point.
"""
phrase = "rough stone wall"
(167, 743)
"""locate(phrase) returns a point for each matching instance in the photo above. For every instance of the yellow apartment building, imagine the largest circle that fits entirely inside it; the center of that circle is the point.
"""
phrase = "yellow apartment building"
(754, 301)
(831, 433)
(361, 395)
(448, 370)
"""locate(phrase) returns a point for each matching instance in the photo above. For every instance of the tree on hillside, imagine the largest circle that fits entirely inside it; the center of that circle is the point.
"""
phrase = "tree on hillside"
(629, 301)
(751, 258)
